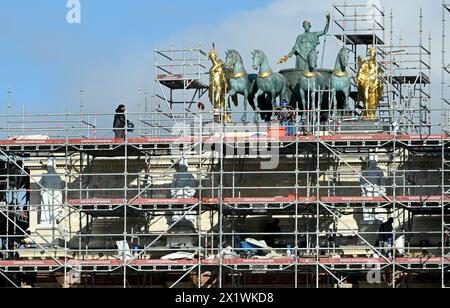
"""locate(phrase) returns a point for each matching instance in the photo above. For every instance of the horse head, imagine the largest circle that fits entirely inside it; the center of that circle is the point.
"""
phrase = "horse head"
(230, 59)
(343, 57)
(258, 58)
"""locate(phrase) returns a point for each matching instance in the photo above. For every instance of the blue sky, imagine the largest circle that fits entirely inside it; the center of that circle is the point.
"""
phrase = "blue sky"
(110, 54)
(47, 59)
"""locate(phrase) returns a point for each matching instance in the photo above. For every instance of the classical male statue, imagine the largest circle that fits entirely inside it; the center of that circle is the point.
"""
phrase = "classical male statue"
(305, 45)
(51, 196)
(218, 85)
(370, 85)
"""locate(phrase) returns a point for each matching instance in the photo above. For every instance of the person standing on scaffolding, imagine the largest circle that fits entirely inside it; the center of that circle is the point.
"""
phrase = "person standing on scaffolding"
(121, 124)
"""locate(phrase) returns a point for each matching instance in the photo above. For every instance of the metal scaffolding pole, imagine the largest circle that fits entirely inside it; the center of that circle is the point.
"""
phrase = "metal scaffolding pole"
(321, 164)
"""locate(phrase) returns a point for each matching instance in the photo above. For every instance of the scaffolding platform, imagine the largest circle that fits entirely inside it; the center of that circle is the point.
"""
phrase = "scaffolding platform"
(280, 264)
(360, 39)
(160, 142)
(135, 207)
(420, 79)
(115, 207)
(177, 82)
(365, 127)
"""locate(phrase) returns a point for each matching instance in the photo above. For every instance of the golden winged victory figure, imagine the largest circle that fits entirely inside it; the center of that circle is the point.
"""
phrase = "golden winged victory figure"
(370, 85)
(218, 85)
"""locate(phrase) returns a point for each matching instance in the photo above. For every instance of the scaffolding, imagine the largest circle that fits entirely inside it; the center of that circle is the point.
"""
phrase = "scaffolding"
(407, 68)
(360, 30)
(314, 190)
(181, 81)
(123, 215)
(446, 132)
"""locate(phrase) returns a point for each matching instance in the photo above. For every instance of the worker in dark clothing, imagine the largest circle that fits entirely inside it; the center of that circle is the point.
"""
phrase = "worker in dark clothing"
(386, 235)
(272, 229)
(121, 124)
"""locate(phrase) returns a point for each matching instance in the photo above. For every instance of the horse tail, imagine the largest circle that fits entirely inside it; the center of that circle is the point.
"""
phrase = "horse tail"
(265, 104)
(252, 89)
(286, 94)
(235, 100)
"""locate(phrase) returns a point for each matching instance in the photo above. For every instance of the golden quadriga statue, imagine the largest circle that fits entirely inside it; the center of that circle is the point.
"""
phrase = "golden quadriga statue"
(370, 85)
(218, 87)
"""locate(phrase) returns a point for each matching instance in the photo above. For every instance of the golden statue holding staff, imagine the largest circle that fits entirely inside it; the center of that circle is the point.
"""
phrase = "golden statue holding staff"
(370, 85)
(218, 86)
